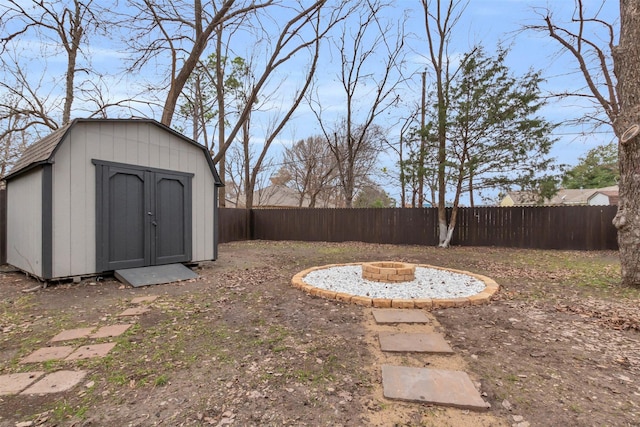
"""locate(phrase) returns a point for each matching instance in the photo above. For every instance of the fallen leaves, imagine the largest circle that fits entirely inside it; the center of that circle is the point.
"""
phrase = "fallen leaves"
(618, 316)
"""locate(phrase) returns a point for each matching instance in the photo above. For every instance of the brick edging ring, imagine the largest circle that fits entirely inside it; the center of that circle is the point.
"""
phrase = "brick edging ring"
(484, 297)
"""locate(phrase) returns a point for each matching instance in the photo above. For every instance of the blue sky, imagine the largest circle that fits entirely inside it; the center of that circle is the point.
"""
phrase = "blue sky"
(489, 22)
(484, 22)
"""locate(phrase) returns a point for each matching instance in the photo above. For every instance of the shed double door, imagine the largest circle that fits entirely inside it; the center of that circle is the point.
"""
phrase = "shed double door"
(143, 216)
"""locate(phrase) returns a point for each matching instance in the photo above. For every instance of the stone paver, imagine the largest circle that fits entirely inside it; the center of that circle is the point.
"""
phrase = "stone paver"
(48, 353)
(433, 386)
(142, 300)
(89, 351)
(382, 315)
(134, 311)
(56, 382)
(418, 343)
(72, 334)
(110, 331)
(15, 383)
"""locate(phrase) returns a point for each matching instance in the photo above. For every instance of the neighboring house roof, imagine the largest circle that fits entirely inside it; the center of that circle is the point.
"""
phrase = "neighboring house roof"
(278, 196)
(570, 197)
(43, 151)
(275, 195)
(563, 197)
(519, 198)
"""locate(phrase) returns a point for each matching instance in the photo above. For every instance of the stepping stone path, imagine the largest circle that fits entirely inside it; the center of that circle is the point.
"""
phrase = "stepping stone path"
(15, 383)
(37, 382)
(418, 343)
(399, 315)
(423, 385)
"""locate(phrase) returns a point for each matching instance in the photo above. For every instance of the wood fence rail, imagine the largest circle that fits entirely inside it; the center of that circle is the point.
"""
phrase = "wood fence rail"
(545, 227)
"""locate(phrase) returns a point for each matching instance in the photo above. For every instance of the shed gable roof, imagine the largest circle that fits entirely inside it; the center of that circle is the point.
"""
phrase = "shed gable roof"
(42, 151)
(39, 152)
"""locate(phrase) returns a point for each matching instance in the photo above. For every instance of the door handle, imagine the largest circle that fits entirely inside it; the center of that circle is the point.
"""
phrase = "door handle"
(154, 223)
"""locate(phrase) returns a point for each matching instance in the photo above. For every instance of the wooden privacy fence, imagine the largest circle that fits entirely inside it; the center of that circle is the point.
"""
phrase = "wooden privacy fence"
(234, 225)
(562, 227)
(552, 227)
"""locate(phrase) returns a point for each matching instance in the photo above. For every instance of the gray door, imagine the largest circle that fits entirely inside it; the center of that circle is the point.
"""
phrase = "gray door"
(143, 216)
(172, 218)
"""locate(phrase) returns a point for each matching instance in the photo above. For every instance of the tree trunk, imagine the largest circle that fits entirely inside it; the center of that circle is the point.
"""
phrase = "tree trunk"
(442, 157)
(220, 93)
(248, 184)
(471, 202)
(423, 138)
(71, 45)
(446, 242)
(626, 65)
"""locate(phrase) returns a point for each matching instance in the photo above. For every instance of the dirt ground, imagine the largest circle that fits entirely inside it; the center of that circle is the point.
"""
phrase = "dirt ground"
(559, 345)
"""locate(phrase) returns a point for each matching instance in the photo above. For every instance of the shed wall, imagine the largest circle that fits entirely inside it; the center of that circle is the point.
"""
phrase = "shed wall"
(24, 222)
(74, 186)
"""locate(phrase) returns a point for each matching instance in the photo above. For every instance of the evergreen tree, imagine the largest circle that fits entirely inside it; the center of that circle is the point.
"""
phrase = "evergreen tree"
(597, 169)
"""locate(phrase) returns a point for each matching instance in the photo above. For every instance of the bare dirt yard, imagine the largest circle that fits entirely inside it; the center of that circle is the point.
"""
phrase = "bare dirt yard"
(558, 345)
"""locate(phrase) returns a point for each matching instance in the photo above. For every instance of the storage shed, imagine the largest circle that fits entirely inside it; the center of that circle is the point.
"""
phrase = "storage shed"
(99, 195)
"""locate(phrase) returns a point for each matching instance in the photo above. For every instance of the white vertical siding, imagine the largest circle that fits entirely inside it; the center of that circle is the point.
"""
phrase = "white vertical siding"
(74, 192)
(24, 222)
(599, 199)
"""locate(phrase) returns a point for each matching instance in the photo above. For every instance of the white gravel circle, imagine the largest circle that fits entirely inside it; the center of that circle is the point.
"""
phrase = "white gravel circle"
(428, 283)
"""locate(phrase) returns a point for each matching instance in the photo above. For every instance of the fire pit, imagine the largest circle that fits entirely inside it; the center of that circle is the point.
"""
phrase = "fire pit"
(375, 284)
(388, 272)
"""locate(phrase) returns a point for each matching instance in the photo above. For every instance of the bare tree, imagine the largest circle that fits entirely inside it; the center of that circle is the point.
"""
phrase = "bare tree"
(367, 44)
(311, 167)
(419, 165)
(417, 160)
(236, 162)
(439, 20)
(181, 29)
(372, 196)
(299, 35)
(590, 41)
(235, 175)
(312, 25)
(14, 133)
(33, 103)
(355, 151)
(65, 23)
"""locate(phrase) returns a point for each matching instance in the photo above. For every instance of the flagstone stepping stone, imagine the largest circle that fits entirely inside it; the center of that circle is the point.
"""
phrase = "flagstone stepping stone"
(134, 311)
(72, 334)
(110, 331)
(395, 315)
(433, 386)
(418, 343)
(56, 382)
(89, 351)
(15, 383)
(48, 353)
(141, 300)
